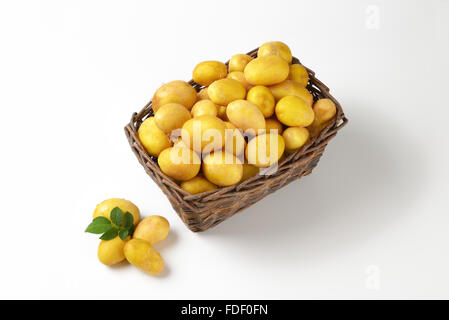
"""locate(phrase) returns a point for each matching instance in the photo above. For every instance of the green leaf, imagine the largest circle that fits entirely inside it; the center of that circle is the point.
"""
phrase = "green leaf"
(123, 234)
(101, 220)
(98, 226)
(117, 216)
(128, 220)
(110, 234)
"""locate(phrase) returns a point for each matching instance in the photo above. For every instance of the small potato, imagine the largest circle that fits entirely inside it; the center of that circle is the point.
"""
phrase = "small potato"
(174, 92)
(316, 127)
(294, 112)
(222, 113)
(263, 98)
(240, 77)
(238, 62)
(110, 252)
(265, 150)
(295, 138)
(276, 48)
(204, 108)
(153, 139)
(299, 74)
(171, 116)
(234, 140)
(202, 94)
(209, 71)
(142, 255)
(204, 133)
(104, 208)
(246, 115)
(291, 88)
(324, 110)
(197, 185)
(224, 91)
(266, 71)
(249, 171)
(273, 124)
(153, 229)
(179, 163)
(222, 169)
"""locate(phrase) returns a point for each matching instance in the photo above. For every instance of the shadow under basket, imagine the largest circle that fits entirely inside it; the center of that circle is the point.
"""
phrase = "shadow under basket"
(205, 210)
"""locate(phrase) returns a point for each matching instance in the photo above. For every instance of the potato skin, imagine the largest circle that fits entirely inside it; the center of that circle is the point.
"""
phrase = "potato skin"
(273, 124)
(189, 163)
(294, 112)
(246, 115)
(200, 141)
(207, 72)
(240, 77)
(266, 71)
(258, 151)
(110, 252)
(295, 138)
(299, 74)
(222, 168)
(198, 184)
(238, 62)
(142, 255)
(204, 108)
(153, 139)
(291, 88)
(262, 97)
(224, 91)
(153, 229)
(171, 116)
(324, 110)
(104, 208)
(202, 94)
(176, 91)
(249, 171)
(234, 140)
(276, 48)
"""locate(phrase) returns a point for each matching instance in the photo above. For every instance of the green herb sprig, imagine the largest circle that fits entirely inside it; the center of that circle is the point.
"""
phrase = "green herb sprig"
(120, 224)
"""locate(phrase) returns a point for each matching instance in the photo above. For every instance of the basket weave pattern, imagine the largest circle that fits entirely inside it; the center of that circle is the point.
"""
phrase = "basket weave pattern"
(203, 211)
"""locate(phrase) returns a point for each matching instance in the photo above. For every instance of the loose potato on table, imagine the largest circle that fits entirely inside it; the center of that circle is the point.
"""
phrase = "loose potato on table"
(265, 150)
(153, 229)
(179, 163)
(262, 97)
(171, 116)
(238, 62)
(276, 48)
(110, 252)
(142, 255)
(224, 91)
(204, 133)
(209, 71)
(153, 139)
(176, 91)
(246, 116)
(104, 208)
(294, 112)
(222, 169)
(266, 71)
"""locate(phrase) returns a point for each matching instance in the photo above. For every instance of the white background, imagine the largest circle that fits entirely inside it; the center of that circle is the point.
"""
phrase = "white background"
(370, 222)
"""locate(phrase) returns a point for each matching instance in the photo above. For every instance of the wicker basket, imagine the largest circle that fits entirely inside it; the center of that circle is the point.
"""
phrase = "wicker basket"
(203, 211)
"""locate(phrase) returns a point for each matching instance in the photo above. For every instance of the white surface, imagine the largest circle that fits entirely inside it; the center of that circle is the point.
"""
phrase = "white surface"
(370, 222)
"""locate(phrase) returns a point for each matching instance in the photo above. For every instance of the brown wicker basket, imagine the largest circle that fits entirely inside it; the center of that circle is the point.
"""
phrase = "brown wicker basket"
(203, 211)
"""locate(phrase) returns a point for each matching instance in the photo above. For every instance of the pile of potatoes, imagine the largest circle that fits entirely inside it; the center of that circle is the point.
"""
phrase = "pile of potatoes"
(138, 249)
(251, 105)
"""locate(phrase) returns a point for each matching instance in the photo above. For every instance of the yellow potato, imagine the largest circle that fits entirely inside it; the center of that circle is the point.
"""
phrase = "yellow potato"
(204, 133)
(273, 124)
(110, 252)
(234, 140)
(324, 110)
(263, 98)
(246, 115)
(240, 77)
(238, 62)
(197, 185)
(275, 48)
(295, 137)
(202, 94)
(316, 127)
(222, 168)
(249, 171)
(142, 255)
(265, 150)
(104, 208)
(153, 139)
(294, 112)
(221, 113)
(153, 229)
(266, 71)
(204, 108)
(171, 116)
(174, 92)
(291, 88)
(224, 91)
(179, 163)
(209, 71)
(299, 74)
